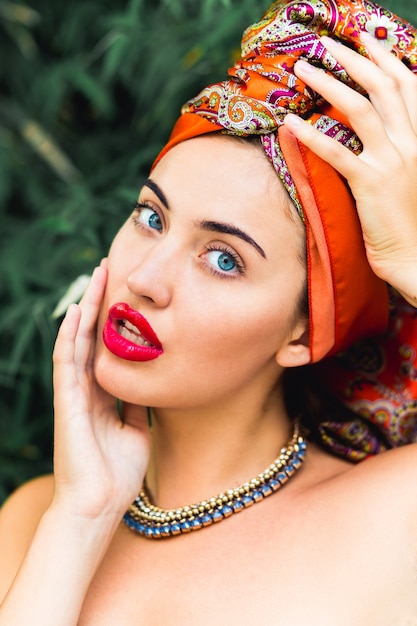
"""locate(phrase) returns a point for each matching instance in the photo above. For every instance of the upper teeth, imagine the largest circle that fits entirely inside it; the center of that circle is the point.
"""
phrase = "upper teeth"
(131, 332)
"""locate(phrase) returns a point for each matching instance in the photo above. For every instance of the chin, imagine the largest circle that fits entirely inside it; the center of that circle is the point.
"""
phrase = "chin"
(113, 376)
(131, 382)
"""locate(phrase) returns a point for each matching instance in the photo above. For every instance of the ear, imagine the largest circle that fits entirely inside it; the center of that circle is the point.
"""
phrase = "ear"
(296, 350)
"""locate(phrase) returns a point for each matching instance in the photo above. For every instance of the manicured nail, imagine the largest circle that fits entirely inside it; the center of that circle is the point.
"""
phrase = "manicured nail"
(367, 38)
(305, 67)
(330, 43)
(292, 121)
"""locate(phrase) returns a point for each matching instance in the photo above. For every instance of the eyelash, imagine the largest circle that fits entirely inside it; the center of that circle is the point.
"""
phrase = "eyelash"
(137, 207)
(240, 268)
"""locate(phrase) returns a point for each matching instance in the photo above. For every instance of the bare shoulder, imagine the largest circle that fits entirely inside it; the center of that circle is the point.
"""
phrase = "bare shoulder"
(395, 469)
(19, 518)
(398, 466)
(389, 481)
(385, 482)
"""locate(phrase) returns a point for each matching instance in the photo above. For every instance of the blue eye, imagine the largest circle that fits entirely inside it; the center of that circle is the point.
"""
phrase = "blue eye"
(222, 260)
(155, 221)
(148, 217)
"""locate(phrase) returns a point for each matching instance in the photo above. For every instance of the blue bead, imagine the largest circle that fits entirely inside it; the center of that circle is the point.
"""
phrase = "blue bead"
(227, 511)
(266, 490)
(257, 496)
(196, 523)
(185, 527)
(207, 520)
(165, 531)
(237, 506)
(134, 524)
(274, 484)
(217, 516)
(282, 478)
(175, 528)
(247, 501)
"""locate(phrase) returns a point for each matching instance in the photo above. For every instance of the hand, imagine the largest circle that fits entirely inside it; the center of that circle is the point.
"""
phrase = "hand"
(99, 460)
(383, 178)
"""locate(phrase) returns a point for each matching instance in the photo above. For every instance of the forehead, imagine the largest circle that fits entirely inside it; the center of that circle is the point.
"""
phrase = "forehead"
(218, 168)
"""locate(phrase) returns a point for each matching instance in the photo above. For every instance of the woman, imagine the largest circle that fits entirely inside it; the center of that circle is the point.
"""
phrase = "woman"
(198, 312)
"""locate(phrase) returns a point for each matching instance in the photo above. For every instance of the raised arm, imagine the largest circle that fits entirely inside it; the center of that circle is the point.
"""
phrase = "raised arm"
(383, 178)
(99, 467)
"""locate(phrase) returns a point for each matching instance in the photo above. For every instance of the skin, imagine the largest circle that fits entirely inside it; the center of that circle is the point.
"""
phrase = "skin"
(338, 544)
(204, 320)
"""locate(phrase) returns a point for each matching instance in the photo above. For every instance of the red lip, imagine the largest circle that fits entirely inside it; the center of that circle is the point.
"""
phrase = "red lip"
(121, 346)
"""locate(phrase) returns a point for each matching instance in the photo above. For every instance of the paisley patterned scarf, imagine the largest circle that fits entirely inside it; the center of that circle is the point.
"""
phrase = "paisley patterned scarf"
(377, 379)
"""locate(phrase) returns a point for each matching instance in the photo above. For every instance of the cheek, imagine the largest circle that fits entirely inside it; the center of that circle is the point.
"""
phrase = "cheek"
(120, 253)
(229, 328)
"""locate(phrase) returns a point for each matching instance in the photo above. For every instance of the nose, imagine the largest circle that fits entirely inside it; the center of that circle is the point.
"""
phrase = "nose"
(152, 277)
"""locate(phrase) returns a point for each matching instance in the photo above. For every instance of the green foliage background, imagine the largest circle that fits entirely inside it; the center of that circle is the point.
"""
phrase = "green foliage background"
(89, 90)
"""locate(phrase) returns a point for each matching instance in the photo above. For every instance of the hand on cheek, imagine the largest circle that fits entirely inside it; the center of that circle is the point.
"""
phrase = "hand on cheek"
(99, 461)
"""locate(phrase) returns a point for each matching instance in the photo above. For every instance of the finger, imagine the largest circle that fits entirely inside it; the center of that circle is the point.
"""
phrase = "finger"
(405, 79)
(357, 108)
(383, 76)
(366, 121)
(90, 307)
(64, 345)
(389, 83)
(65, 375)
(331, 151)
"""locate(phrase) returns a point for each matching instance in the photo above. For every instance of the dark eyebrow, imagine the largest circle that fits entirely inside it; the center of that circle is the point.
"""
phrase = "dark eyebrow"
(216, 227)
(151, 184)
(229, 229)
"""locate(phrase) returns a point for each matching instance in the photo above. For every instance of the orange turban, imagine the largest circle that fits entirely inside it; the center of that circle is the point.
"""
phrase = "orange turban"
(347, 301)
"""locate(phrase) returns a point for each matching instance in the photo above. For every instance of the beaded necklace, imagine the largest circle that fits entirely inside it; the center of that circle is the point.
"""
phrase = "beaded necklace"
(148, 520)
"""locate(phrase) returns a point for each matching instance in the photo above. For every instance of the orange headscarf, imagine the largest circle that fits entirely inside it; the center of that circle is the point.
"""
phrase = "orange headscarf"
(375, 378)
(346, 300)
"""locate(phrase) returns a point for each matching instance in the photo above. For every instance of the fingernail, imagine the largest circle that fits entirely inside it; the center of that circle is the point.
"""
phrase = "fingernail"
(72, 308)
(303, 66)
(292, 120)
(367, 38)
(328, 42)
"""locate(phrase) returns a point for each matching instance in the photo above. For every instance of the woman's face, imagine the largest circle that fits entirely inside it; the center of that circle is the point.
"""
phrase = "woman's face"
(212, 260)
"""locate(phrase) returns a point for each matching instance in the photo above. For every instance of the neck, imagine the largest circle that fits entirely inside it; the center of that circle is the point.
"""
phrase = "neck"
(197, 453)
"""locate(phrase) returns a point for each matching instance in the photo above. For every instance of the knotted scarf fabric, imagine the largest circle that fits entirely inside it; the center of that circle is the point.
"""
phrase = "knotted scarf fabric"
(347, 301)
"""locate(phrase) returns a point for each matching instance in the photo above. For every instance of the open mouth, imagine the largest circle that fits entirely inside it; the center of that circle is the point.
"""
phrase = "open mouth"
(128, 335)
(130, 332)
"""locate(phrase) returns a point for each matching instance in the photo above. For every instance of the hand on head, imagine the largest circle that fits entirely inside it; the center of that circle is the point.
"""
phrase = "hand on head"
(382, 178)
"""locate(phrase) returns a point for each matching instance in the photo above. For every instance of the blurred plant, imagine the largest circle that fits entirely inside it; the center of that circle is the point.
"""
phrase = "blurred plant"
(89, 91)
